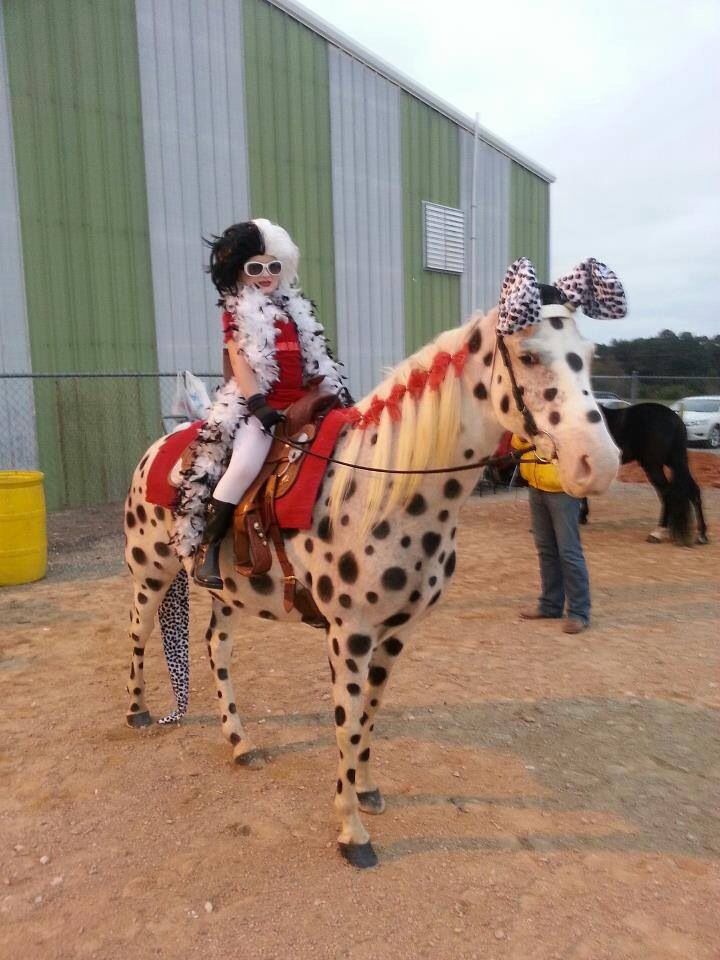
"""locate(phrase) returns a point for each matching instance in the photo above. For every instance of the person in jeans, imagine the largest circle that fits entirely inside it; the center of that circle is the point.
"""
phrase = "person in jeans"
(555, 515)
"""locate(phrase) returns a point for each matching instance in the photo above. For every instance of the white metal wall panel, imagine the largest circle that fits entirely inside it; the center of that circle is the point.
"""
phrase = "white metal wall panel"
(193, 101)
(492, 222)
(368, 220)
(18, 443)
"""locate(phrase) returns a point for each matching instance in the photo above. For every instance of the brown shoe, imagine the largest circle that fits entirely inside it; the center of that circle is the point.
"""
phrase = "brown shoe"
(572, 625)
(532, 613)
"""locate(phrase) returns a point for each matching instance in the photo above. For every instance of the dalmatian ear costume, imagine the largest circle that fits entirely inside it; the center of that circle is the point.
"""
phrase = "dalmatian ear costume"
(591, 286)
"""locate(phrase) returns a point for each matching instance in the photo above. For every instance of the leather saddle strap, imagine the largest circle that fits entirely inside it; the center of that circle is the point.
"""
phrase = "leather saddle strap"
(288, 570)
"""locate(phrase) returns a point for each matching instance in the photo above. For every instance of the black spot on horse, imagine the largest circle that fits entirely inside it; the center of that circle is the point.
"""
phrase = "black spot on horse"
(336, 647)
(351, 665)
(414, 596)
(141, 513)
(394, 578)
(434, 599)
(161, 549)
(480, 391)
(468, 454)
(222, 673)
(396, 620)
(130, 519)
(351, 775)
(345, 601)
(432, 581)
(348, 567)
(141, 598)
(550, 393)
(443, 515)
(339, 786)
(381, 530)
(139, 555)
(417, 505)
(594, 416)
(328, 557)
(450, 565)
(557, 322)
(355, 738)
(487, 359)
(371, 597)
(267, 615)
(393, 646)
(452, 488)
(554, 418)
(154, 584)
(230, 584)
(369, 550)
(359, 644)
(262, 584)
(309, 545)
(475, 342)
(226, 611)
(325, 588)
(364, 756)
(406, 541)
(353, 689)
(574, 362)
(350, 491)
(159, 513)
(339, 716)
(430, 542)
(324, 530)
(505, 403)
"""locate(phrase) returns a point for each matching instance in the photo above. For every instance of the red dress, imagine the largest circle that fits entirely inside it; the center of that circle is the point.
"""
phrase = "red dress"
(289, 385)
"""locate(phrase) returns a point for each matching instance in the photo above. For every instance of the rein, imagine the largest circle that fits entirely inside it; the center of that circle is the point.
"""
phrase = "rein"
(513, 457)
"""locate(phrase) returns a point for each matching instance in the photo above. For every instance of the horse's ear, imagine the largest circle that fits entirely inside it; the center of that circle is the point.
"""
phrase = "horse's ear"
(595, 288)
(520, 299)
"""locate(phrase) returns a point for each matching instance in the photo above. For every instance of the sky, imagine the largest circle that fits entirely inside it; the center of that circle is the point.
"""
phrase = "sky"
(619, 100)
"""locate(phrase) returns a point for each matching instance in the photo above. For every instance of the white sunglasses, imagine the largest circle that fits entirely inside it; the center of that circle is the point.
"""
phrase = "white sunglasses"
(254, 268)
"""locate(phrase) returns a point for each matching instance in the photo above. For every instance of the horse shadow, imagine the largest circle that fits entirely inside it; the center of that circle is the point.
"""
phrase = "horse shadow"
(653, 764)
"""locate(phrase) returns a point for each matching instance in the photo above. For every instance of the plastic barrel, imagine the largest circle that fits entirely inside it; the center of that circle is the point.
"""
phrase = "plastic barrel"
(23, 536)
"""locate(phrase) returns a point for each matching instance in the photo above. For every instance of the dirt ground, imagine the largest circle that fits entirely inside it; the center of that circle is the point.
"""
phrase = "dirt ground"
(548, 796)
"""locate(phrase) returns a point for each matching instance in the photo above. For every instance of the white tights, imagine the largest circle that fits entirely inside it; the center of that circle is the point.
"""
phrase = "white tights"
(250, 447)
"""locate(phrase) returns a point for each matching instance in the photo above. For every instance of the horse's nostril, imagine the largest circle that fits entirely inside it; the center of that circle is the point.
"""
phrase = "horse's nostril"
(583, 468)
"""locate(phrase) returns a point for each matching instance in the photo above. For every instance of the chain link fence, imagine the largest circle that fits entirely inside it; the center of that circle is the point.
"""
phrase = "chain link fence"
(87, 431)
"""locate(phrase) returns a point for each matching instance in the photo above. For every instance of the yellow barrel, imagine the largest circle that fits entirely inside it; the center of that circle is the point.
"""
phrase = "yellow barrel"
(23, 537)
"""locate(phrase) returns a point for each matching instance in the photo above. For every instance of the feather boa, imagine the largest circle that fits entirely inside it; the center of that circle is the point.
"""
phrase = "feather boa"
(254, 314)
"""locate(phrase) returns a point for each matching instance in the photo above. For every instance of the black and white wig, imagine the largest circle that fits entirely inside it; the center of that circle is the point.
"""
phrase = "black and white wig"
(241, 242)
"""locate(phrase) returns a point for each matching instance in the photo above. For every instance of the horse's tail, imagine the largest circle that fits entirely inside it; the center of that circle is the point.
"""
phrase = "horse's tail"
(680, 495)
(174, 616)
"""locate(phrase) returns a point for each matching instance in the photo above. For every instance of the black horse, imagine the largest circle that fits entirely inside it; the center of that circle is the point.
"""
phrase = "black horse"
(656, 437)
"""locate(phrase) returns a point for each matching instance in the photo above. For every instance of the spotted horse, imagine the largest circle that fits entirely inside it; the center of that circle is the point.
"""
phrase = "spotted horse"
(381, 548)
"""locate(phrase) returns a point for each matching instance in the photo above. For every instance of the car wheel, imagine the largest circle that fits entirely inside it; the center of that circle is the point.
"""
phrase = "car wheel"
(714, 437)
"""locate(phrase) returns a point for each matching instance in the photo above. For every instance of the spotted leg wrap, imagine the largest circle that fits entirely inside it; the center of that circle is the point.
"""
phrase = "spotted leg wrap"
(174, 616)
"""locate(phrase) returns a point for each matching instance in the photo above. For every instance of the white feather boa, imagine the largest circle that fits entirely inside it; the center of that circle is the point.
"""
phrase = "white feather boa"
(254, 314)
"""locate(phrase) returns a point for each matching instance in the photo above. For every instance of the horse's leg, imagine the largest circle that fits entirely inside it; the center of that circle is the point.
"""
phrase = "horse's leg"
(656, 476)
(381, 663)
(148, 595)
(349, 655)
(219, 645)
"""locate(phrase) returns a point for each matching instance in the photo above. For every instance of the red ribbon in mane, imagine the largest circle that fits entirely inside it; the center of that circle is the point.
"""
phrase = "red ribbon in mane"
(393, 401)
(459, 359)
(416, 383)
(439, 368)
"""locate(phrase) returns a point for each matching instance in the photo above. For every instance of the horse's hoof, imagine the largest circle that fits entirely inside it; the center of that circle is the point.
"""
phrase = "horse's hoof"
(253, 759)
(139, 719)
(359, 855)
(702, 539)
(371, 801)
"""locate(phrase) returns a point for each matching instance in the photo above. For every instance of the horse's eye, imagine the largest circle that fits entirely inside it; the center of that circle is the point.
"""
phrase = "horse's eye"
(529, 359)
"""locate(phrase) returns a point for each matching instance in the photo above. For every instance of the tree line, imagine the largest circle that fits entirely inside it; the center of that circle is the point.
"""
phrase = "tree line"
(696, 360)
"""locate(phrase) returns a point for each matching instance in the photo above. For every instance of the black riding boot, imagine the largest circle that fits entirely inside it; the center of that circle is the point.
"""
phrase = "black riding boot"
(206, 572)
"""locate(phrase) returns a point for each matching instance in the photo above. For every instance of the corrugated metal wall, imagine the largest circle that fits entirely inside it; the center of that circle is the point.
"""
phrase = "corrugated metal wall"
(18, 445)
(431, 171)
(81, 185)
(288, 130)
(368, 211)
(492, 248)
(530, 219)
(193, 108)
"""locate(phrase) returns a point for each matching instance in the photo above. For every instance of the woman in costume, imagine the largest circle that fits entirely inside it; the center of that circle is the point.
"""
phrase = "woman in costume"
(275, 350)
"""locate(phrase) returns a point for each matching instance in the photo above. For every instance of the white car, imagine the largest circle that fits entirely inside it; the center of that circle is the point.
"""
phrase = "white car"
(701, 416)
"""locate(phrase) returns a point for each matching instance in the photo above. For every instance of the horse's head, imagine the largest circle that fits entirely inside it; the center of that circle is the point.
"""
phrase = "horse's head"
(542, 350)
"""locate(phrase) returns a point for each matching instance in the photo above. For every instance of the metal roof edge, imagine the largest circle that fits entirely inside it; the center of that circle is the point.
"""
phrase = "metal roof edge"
(356, 50)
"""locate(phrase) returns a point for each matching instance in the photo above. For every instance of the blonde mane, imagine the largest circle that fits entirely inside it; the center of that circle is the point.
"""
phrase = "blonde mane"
(406, 424)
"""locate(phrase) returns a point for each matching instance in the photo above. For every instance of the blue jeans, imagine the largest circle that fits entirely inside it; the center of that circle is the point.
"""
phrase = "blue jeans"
(563, 572)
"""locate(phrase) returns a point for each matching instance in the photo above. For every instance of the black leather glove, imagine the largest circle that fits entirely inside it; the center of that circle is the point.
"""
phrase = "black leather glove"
(268, 416)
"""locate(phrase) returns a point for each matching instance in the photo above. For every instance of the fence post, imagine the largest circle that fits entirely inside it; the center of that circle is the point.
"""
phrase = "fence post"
(634, 386)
